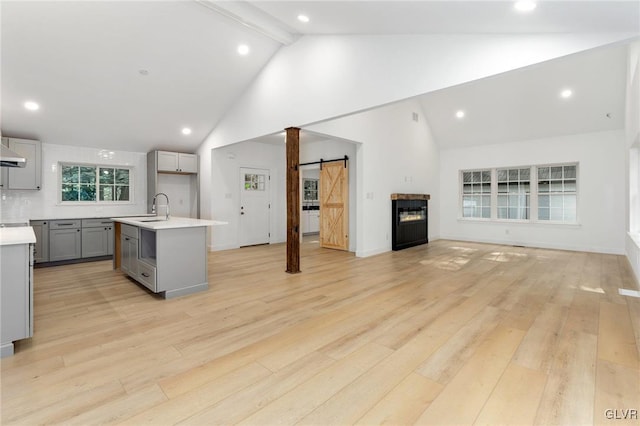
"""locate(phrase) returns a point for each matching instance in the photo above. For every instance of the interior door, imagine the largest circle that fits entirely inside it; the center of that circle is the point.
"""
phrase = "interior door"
(334, 205)
(254, 206)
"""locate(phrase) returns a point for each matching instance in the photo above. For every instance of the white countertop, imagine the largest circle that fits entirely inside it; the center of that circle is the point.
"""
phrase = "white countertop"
(18, 235)
(173, 222)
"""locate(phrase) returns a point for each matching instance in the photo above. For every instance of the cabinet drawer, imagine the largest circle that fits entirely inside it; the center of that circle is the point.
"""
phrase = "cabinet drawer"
(64, 224)
(96, 223)
(129, 231)
(147, 275)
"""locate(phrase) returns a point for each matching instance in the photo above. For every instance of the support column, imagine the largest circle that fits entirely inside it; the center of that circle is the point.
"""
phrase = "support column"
(293, 200)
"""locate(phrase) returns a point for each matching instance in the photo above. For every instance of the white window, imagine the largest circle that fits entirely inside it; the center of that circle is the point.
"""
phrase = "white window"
(557, 193)
(514, 193)
(544, 193)
(476, 194)
(94, 183)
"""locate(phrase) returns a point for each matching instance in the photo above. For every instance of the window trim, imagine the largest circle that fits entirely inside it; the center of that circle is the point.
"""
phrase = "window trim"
(533, 194)
(97, 201)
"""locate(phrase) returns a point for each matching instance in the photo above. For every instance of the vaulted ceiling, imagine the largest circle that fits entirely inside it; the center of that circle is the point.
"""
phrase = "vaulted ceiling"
(130, 75)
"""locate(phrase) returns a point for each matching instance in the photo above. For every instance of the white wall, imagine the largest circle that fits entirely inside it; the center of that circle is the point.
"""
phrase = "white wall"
(322, 77)
(44, 204)
(632, 132)
(225, 189)
(395, 155)
(601, 198)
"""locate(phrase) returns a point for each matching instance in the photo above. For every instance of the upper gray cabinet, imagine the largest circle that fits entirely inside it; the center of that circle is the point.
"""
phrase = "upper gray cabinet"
(177, 162)
(29, 177)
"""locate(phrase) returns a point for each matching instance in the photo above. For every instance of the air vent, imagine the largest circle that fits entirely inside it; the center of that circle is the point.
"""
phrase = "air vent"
(415, 116)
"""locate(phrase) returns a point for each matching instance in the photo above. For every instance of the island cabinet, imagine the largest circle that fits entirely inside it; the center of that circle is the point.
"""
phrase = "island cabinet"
(41, 249)
(129, 250)
(168, 257)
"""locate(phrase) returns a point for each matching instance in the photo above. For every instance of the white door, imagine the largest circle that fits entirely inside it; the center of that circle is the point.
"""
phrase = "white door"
(254, 206)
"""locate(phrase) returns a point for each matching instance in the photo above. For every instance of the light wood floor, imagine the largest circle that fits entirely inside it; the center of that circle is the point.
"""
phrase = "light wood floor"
(447, 333)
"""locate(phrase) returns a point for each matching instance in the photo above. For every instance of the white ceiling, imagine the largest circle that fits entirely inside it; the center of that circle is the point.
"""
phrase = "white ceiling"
(81, 62)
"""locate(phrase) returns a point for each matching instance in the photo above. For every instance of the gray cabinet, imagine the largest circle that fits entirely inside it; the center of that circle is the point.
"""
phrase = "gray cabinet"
(97, 237)
(176, 174)
(65, 242)
(29, 177)
(177, 162)
(41, 229)
(129, 250)
(16, 310)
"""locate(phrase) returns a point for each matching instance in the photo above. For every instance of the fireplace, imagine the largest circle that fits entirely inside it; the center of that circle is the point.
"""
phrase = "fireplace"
(409, 220)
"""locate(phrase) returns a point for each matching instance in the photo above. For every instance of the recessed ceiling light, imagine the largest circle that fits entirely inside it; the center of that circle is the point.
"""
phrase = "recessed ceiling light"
(243, 49)
(303, 18)
(31, 106)
(566, 93)
(186, 131)
(460, 114)
(525, 5)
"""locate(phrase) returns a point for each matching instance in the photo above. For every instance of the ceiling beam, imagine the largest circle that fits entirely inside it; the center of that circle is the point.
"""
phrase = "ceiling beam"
(251, 17)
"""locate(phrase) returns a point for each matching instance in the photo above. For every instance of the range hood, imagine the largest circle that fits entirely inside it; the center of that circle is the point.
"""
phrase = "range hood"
(9, 158)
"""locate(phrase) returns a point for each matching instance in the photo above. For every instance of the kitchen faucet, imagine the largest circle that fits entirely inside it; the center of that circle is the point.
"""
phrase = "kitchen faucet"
(153, 207)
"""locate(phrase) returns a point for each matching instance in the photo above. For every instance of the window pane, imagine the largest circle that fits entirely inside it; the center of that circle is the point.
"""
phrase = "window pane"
(556, 186)
(476, 177)
(555, 201)
(543, 186)
(87, 192)
(513, 188)
(502, 213)
(486, 212)
(524, 174)
(513, 174)
(555, 214)
(69, 192)
(502, 175)
(569, 172)
(486, 188)
(106, 193)
(88, 175)
(486, 200)
(543, 201)
(122, 176)
(513, 213)
(556, 173)
(514, 200)
(106, 176)
(525, 187)
(543, 173)
(502, 201)
(122, 193)
(466, 188)
(502, 188)
(70, 174)
(466, 177)
(486, 176)
(569, 186)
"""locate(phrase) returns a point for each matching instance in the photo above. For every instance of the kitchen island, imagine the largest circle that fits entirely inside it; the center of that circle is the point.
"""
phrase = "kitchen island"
(16, 286)
(167, 256)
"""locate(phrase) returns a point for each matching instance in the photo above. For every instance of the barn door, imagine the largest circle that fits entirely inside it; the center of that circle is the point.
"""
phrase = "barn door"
(334, 205)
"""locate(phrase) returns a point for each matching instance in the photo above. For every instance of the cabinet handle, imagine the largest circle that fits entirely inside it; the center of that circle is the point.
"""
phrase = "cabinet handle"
(126, 239)
(77, 230)
(144, 274)
(65, 224)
